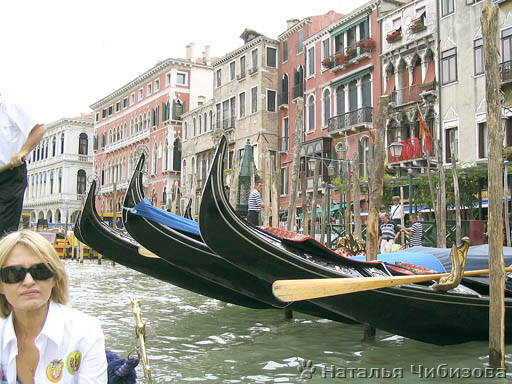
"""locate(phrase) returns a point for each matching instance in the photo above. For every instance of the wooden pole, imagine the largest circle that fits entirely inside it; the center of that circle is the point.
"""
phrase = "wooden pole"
(326, 215)
(402, 216)
(304, 199)
(505, 206)
(316, 172)
(376, 183)
(114, 206)
(235, 173)
(495, 135)
(297, 145)
(375, 188)
(276, 183)
(441, 226)
(348, 200)
(266, 191)
(458, 223)
(357, 196)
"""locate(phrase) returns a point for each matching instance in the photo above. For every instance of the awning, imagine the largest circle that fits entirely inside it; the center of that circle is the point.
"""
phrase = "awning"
(348, 79)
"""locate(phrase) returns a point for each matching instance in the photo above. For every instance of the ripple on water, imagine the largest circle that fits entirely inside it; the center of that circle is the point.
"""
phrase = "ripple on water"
(191, 338)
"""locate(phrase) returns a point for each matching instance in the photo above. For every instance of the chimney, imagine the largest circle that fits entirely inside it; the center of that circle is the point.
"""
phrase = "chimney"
(207, 53)
(188, 52)
(192, 51)
(291, 22)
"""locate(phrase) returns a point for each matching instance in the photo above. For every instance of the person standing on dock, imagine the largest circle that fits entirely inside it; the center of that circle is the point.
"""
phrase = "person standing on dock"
(42, 340)
(415, 232)
(396, 210)
(388, 233)
(255, 204)
(19, 135)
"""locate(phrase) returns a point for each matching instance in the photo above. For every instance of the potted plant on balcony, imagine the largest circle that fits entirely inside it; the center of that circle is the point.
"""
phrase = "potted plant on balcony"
(394, 35)
(350, 53)
(417, 25)
(340, 58)
(367, 45)
(328, 62)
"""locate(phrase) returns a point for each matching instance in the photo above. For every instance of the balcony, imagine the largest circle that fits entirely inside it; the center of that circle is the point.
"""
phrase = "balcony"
(253, 70)
(298, 90)
(284, 144)
(412, 150)
(139, 136)
(412, 93)
(283, 100)
(354, 121)
(228, 123)
(352, 55)
(506, 72)
(241, 76)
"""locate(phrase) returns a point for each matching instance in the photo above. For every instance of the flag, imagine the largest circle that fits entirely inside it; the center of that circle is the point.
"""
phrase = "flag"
(424, 131)
(372, 136)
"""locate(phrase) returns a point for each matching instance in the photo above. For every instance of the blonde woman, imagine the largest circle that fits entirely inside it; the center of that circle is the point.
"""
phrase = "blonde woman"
(41, 339)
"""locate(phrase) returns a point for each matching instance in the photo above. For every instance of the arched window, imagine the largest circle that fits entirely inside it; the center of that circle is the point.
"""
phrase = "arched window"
(81, 182)
(62, 144)
(365, 150)
(184, 174)
(166, 155)
(164, 196)
(194, 127)
(185, 129)
(46, 149)
(54, 146)
(82, 144)
(311, 113)
(367, 91)
(200, 124)
(327, 107)
(176, 160)
(155, 157)
(211, 121)
(206, 128)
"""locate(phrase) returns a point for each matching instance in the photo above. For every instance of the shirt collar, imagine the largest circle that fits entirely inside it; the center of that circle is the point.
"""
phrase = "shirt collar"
(54, 324)
(9, 334)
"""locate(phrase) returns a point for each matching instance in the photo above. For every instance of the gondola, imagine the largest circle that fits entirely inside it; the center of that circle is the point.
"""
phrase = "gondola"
(414, 311)
(124, 250)
(185, 249)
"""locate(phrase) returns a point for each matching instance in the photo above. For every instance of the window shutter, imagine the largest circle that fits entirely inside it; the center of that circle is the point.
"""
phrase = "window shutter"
(174, 110)
(163, 111)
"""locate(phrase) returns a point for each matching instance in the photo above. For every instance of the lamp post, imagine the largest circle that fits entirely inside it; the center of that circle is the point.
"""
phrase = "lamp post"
(409, 173)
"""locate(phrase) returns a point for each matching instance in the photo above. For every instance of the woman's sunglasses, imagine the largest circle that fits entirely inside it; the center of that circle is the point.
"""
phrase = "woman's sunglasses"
(15, 273)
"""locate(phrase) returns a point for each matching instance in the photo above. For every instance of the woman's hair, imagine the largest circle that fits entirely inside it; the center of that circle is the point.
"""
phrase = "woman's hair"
(45, 251)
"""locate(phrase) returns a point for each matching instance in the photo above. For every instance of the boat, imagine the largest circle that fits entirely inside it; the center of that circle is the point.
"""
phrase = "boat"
(179, 243)
(414, 311)
(125, 251)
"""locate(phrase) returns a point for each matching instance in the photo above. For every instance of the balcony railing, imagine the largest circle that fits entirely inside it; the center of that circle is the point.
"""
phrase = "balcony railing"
(284, 144)
(413, 149)
(298, 90)
(353, 54)
(283, 98)
(506, 71)
(347, 120)
(253, 70)
(228, 123)
(241, 75)
(413, 93)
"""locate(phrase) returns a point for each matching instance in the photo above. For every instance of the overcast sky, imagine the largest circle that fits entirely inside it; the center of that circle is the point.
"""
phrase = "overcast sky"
(60, 56)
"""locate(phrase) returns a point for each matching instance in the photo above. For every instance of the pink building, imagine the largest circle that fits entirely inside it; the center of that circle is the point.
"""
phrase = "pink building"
(144, 117)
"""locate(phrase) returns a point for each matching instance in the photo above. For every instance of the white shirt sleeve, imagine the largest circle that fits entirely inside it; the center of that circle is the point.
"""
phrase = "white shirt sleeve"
(93, 368)
(21, 118)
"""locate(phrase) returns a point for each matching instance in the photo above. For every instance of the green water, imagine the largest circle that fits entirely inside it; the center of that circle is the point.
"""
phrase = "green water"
(191, 338)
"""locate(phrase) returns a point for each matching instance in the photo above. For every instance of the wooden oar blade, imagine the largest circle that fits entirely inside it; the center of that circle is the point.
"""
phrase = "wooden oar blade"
(295, 290)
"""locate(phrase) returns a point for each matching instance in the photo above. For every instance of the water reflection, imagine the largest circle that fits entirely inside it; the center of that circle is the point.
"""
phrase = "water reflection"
(193, 338)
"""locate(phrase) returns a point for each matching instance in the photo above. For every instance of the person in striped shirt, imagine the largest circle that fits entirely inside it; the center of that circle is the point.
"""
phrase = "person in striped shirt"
(255, 204)
(415, 232)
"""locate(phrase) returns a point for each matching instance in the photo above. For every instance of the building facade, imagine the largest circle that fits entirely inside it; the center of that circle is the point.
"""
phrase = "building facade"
(244, 108)
(144, 117)
(58, 170)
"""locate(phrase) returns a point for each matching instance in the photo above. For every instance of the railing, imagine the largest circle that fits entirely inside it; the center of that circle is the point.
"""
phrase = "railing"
(283, 98)
(298, 90)
(241, 75)
(352, 54)
(55, 159)
(253, 70)
(141, 135)
(506, 71)
(413, 149)
(283, 143)
(413, 93)
(228, 123)
(349, 119)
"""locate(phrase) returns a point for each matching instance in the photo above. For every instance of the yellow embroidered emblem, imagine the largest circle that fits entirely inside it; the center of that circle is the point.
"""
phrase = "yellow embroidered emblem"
(54, 370)
(73, 361)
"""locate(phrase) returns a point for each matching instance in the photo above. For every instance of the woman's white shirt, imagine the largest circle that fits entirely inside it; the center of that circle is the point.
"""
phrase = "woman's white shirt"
(71, 348)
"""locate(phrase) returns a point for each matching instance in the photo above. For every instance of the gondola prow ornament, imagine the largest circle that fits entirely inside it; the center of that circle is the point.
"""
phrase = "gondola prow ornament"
(140, 333)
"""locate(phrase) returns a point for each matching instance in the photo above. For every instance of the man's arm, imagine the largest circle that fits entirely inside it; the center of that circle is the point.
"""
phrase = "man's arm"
(34, 137)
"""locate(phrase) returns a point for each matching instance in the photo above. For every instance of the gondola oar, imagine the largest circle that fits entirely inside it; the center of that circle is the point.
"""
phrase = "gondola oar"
(147, 253)
(306, 289)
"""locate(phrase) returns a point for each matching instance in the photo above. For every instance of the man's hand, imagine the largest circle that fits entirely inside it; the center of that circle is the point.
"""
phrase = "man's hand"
(17, 160)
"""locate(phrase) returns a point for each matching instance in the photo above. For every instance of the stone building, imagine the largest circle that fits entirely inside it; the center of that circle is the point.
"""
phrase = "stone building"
(244, 107)
(58, 170)
(409, 58)
(144, 117)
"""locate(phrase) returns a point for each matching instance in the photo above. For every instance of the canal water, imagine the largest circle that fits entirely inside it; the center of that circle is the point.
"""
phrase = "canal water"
(191, 338)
